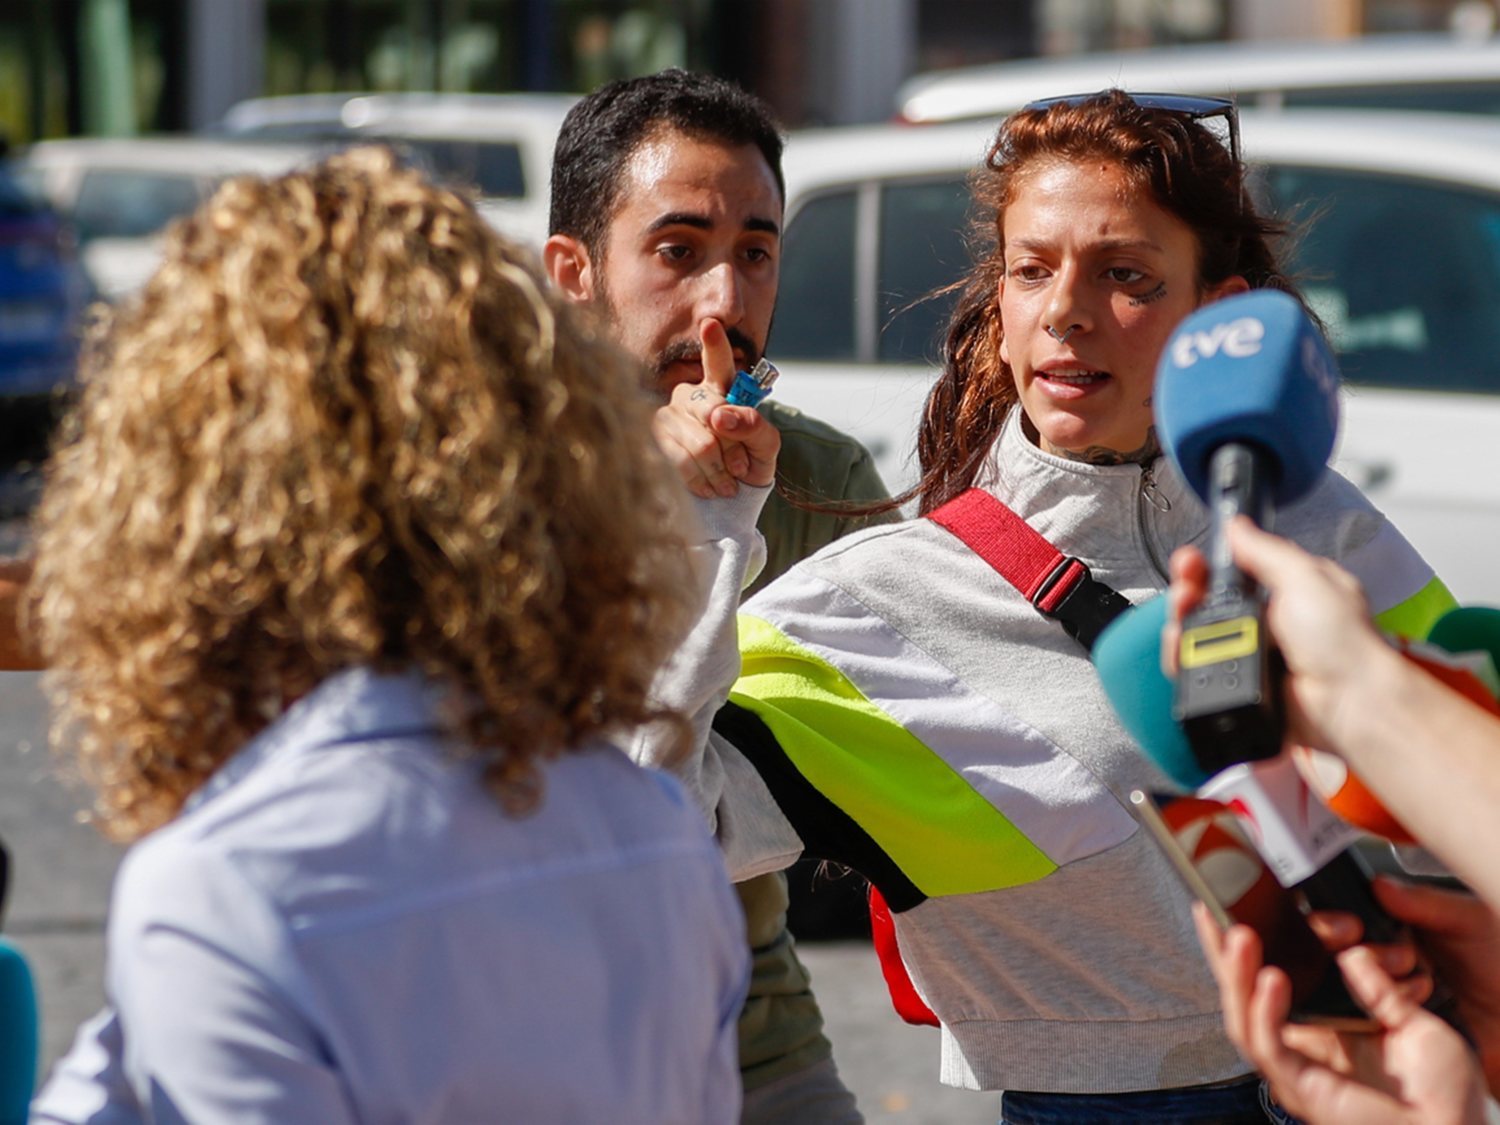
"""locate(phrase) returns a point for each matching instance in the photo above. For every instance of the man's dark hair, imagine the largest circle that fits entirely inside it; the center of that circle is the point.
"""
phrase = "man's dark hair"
(602, 131)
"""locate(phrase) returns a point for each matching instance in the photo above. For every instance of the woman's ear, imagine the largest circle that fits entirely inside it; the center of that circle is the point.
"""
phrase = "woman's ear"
(1226, 288)
(568, 264)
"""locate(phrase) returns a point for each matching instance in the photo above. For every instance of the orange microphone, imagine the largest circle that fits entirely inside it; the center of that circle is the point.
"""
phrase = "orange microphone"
(1340, 789)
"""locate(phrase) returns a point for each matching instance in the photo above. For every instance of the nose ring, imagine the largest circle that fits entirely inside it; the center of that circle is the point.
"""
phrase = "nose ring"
(1061, 337)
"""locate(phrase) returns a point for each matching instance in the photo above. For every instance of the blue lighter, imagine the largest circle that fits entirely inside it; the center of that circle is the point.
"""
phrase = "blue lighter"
(753, 385)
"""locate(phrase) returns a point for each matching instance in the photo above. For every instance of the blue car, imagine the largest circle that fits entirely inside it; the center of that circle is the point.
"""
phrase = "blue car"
(42, 292)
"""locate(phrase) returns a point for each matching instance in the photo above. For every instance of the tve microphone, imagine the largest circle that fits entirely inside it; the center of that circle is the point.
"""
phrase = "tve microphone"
(1246, 404)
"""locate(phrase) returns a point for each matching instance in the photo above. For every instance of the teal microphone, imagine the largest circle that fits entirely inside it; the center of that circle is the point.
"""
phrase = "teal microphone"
(1127, 656)
(18, 1022)
(18, 1035)
(1469, 628)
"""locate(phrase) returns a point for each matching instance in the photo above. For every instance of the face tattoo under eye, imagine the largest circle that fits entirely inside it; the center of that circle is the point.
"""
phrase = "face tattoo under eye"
(1154, 295)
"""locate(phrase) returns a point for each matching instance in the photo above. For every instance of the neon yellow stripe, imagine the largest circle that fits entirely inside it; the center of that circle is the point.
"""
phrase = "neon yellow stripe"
(1415, 616)
(943, 835)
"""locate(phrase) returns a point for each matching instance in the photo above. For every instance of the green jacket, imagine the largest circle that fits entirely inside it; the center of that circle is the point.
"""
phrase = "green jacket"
(781, 1028)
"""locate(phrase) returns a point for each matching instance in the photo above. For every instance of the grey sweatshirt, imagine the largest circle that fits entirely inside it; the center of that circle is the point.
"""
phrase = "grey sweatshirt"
(903, 709)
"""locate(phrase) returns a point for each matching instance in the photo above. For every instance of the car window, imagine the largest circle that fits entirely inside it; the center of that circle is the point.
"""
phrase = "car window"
(492, 167)
(1405, 273)
(918, 250)
(816, 299)
(128, 204)
(921, 250)
(1434, 97)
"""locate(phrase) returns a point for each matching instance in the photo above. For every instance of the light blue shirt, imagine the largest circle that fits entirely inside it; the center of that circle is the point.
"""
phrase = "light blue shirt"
(345, 926)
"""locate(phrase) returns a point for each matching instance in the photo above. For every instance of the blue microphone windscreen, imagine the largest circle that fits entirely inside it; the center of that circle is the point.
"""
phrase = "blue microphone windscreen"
(1128, 658)
(18, 1035)
(1252, 368)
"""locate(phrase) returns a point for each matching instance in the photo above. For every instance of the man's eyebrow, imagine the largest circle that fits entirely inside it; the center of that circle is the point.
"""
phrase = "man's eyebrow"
(680, 219)
(703, 222)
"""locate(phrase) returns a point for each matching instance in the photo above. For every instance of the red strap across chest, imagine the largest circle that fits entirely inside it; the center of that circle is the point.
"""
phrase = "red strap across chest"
(1016, 551)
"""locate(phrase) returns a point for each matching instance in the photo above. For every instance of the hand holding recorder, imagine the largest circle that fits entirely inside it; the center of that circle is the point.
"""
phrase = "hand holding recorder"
(711, 431)
(1429, 753)
(1413, 1068)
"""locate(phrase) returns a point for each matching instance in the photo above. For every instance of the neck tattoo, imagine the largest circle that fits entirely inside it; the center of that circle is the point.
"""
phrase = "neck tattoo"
(1148, 451)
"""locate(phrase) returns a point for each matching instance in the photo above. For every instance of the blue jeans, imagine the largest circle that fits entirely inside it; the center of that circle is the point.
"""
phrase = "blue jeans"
(1237, 1103)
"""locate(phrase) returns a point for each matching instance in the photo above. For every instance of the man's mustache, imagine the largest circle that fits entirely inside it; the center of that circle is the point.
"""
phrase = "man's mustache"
(681, 350)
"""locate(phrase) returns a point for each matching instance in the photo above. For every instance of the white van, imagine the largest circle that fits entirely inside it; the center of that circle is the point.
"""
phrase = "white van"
(1403, 264)
(1431, 73)
(498, 144)
(120, 192)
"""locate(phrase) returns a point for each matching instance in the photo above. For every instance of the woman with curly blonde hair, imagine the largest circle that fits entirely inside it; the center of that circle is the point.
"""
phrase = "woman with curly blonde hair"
(352, 560)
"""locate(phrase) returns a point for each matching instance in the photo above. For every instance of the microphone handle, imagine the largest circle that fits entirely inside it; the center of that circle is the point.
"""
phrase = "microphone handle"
(1228, 696)
(1239, 485)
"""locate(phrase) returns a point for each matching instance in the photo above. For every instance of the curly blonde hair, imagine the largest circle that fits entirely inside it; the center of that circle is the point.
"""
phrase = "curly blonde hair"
(346, 424)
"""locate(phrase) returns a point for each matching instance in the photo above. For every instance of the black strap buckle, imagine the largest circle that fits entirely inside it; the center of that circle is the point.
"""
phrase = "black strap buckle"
(1087, 608)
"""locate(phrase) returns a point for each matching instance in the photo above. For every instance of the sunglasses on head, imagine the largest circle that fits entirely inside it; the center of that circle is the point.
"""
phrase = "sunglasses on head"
(1191, 106)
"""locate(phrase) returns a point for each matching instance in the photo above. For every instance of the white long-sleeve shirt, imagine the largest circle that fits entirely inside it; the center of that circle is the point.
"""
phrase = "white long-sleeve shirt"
(344, 926)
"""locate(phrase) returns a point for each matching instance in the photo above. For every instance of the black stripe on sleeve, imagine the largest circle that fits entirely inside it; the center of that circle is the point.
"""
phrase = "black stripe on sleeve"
(827, 831)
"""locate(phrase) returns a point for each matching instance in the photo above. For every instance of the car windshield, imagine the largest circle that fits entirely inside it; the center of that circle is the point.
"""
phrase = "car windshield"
(491, 167)
(1427, 97)
(15, 197)
(123, 203)
(1404, 273)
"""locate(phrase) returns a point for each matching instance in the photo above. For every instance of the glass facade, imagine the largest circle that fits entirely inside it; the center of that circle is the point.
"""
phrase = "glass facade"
(122, 66)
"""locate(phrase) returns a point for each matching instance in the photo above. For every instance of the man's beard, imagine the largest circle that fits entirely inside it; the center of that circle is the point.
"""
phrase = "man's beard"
(688, 348)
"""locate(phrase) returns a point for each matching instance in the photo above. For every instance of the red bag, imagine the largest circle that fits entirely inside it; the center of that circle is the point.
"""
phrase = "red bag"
(909, 1006)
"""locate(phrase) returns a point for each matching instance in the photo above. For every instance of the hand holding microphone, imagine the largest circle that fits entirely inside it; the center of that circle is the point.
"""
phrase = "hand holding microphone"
(1430, 754)
(1247, 407)
(1425, 736)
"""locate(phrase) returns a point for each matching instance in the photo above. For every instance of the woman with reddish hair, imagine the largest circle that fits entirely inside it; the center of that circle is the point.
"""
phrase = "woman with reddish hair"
(901, 708)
